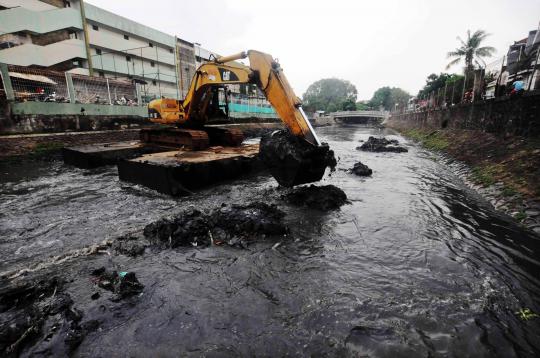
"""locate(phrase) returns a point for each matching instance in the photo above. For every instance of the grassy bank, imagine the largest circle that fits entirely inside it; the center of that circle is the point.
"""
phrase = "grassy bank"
(512, 163)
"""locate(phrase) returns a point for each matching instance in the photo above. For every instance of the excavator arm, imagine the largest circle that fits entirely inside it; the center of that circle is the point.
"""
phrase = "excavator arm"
(263, 71)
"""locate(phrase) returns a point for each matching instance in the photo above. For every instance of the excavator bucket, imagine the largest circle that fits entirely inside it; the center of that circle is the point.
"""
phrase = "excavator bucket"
(294, 161)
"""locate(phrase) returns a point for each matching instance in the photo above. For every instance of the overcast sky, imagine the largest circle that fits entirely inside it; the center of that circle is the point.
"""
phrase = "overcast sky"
(370, 43)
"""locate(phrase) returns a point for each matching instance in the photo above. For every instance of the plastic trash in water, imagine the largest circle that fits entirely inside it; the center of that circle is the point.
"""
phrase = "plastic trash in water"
(122, 274)
(526, 314)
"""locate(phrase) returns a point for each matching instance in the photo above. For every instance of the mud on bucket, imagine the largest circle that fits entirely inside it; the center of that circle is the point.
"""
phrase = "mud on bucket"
(292, 160)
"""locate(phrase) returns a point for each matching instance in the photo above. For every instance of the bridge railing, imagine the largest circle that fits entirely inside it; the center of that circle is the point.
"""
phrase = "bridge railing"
(378, 114)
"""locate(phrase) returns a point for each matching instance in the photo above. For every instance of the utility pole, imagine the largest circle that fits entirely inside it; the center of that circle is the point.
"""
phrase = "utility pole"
(86, 40)
(464, 84)
(536, 60)
(158, 78)
(176, 68)
(444, 93)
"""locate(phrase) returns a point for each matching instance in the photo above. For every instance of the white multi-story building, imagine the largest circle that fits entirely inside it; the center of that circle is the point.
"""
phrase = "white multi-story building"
(123, 48)
(76, 37)
(59, 35)
(46, 34)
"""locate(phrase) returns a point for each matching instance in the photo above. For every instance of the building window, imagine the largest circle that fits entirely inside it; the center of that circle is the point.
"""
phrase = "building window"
(154, 82)
(95, 28)
(152, 63)
(128, 58)
(171, 50)
(150, 44)
(98, 51)
(126, 37)
(101, 74)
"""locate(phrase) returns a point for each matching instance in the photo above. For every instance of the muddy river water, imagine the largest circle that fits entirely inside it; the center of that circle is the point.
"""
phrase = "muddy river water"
(416, 264)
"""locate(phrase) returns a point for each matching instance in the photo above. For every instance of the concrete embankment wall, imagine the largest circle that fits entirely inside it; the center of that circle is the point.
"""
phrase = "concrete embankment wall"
(502, 116)
(50, 117)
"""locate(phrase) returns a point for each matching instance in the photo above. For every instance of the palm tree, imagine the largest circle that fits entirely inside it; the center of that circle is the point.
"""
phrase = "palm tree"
(470, 50)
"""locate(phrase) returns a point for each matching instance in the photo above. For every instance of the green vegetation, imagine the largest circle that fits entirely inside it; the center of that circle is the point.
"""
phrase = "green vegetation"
(434, 140)
(388, 97)
(484, 175)
(509, 190)
(46, 148)
(438, 82)
(360, 106)
(470, 50)
(520, 216)
(330, 95)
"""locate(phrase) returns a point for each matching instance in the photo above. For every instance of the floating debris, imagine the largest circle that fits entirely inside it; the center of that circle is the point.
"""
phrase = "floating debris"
(381, 145)
(324, 198)
(361, 169)
(228, 224)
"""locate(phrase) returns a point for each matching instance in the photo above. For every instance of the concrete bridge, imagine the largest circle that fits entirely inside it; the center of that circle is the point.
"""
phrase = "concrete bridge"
(357, 117)
(362, 117)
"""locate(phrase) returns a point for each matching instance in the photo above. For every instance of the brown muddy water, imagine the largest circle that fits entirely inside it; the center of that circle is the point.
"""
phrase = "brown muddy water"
(416, 264)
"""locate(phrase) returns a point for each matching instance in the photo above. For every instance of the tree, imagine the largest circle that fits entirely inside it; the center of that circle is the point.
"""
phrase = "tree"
(387, 97)
(433, 83)
(330, 95)
(348, 105)
(361, 106)
(470, 50)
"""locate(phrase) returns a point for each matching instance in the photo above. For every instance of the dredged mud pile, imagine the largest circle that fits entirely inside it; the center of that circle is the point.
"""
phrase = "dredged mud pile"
(128, 245)
(225, 225)
(292, 160)
(38, 317)
(374, 144)
(361, 170)
(324, 198)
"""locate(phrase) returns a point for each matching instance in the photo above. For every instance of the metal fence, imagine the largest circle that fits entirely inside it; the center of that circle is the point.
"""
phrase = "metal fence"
(40, 85)
(498, 78)
(31, 84)
(100, 90)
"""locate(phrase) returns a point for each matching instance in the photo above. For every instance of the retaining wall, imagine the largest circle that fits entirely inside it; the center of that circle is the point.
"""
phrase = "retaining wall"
(505, 116)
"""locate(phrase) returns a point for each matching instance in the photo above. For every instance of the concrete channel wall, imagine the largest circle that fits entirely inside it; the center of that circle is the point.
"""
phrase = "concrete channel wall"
(40, 117)
(518, 115)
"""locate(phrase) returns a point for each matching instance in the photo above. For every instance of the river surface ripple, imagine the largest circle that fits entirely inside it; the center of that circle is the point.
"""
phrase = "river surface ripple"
(416, 265)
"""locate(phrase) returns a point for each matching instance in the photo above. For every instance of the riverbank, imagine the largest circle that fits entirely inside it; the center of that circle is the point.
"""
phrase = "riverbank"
(503, 169)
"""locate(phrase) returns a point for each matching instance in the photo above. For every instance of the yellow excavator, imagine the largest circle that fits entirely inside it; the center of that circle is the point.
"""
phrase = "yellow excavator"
(292, 158)
(190, 115)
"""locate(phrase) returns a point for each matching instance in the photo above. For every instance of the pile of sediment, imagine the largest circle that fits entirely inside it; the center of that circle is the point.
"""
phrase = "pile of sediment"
(324, 198)
(38, 317)
(361, 170)
(382, 145)
(292, 160)
(225, 225)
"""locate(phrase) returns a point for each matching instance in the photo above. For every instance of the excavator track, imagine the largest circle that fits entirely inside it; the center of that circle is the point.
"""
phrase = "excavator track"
(225, 137)
(176, 138)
